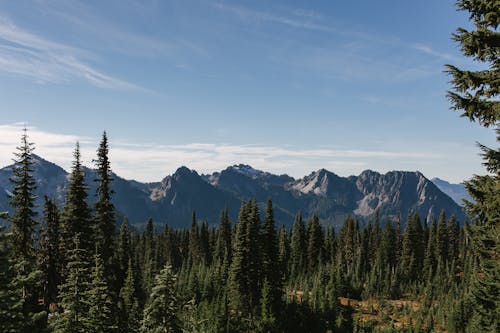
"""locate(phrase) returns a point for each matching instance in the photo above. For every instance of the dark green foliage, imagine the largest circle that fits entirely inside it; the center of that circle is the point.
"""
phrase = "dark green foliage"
(77, 214)
(298, 246)
(160, 314)
(11, 302)
(271, 271)
(101, 318)
(74, 294)
(104, 219)
(475, 94)
(23, 224)
(251, 278)
(413, 249)
(129, 305)
(49, 255)
(314, 242)
(22, 201)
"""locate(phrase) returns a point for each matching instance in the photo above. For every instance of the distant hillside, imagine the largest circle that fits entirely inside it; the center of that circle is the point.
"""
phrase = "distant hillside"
(455, 191)
(333, 197)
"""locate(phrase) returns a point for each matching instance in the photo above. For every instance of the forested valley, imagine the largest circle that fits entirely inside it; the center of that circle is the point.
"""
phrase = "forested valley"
(77, 268)
(80, 273)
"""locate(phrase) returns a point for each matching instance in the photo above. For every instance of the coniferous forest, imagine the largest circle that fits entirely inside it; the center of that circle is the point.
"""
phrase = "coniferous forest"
(77, 268)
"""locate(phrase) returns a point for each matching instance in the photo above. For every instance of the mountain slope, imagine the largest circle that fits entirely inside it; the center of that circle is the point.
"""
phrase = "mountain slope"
(332, 197)
(457, 192)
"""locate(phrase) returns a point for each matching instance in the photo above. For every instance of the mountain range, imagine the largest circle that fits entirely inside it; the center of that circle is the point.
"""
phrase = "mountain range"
(332, 197)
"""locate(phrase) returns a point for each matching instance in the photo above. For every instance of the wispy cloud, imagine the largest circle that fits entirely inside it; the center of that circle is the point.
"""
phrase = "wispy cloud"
(29, 55)
(151, 162)
(430, 51)
(356, 54)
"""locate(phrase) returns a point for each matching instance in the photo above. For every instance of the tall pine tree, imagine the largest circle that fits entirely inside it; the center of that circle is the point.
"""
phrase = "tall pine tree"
(104, 209)
(475, 93)
(23, 226)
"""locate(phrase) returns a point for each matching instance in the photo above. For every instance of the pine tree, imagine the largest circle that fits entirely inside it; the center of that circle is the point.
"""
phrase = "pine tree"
(298, 246)
(74, 294)
(160, 314)
(413, 249)
(314, 242)
(223, 243)
(77, 214)
(123, 252)
(476, 94)
(49, 256)
(238, 279)
(104, 220)
(100, 316)
(194, 241)
(284, 252)
(442, 239)
(23, 225)
(11, 302)
(130, 323)
(23, 198)
(254, 271)
(430, 263)
(271, 272)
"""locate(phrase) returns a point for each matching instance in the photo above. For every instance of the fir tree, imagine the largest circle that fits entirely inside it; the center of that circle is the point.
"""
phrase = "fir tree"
(475, 94)
(22, 220)
(271, 272)
(129, 303)
(223, 243)
(100, 318)
(284, 252)
(413, 249)
(314, 242)
(11, 302)
(123, 252)
(74, 294)
(238, 279)
(49, 256)
(23, 225)
(442, 239)
(298, 246)
(104, 209)
(160, 314)
(77, 213)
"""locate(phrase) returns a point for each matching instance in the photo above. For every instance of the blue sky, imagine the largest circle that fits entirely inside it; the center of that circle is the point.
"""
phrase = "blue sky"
(286, 86)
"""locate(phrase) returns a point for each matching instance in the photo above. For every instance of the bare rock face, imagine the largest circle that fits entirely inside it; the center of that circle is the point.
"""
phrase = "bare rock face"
(332, 197)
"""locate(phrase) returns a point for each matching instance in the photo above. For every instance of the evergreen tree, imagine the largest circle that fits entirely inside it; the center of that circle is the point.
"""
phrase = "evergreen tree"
(254, 270)
(49, 256)
(238, 279)
(314, 242)
(453, 229)
(11, 303)
(100, 316)
(23, 226)
(476, 94)
(430, 263)
(129, 304)
(123, 252)
(413, 249)
(160, 314)
(194, 241)
(298, 246)
(223, 243)
(77, 214)
(74, 294)
(271, 272)
(22, 220)
(284, 252)
(442, 238)
(104, 209)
